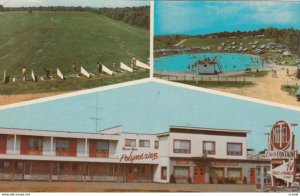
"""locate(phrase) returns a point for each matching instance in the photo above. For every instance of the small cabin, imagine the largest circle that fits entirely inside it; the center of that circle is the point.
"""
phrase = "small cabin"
(207, 66)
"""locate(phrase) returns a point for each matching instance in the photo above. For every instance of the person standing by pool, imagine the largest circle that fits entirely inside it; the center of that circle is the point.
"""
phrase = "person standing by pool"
(24, 73)
(74, 68)
(99, 68)
(133, 62)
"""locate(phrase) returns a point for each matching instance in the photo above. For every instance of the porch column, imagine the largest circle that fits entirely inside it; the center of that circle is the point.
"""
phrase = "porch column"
(15, 144)
(86, 147)
(51, 146)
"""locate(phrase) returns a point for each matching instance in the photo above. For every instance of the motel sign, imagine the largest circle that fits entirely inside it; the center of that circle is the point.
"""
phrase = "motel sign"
(281, 153)
(281, 136)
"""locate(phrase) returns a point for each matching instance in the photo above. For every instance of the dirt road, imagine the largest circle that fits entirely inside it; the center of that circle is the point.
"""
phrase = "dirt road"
(268, 88)
(32, 186)
(9, 99)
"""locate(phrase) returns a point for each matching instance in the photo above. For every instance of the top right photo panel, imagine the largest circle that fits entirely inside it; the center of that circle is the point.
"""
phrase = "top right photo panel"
(247, 48)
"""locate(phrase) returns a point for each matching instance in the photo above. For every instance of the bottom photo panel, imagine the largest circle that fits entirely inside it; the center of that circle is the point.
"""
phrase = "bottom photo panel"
(149, 135)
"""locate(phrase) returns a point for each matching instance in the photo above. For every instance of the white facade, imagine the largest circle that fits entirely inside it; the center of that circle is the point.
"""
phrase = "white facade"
(143, 152)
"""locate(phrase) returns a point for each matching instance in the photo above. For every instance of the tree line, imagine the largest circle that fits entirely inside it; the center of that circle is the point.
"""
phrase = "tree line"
(138, 16)
(289, 37)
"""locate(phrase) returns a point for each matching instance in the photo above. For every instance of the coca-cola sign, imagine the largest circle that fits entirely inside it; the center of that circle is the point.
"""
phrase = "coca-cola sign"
(281, 136)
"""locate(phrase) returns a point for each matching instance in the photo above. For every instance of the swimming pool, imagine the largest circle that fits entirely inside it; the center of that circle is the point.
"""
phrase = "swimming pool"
(229, 61)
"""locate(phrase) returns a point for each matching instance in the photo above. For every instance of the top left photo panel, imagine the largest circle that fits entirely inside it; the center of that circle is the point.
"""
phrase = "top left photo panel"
(54, 47)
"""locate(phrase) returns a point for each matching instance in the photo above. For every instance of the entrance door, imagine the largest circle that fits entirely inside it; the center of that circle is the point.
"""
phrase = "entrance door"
(130, 174)
(252, 176)
(27, 171)
(55, 171)
(199, 175)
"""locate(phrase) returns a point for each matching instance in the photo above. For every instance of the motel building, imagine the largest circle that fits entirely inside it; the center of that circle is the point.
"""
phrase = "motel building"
(183, 154)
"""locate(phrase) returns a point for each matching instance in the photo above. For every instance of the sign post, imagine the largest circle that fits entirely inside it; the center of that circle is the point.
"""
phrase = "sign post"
(281, 153)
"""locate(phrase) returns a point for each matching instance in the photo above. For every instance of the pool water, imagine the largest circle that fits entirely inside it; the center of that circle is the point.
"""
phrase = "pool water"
(229, 61)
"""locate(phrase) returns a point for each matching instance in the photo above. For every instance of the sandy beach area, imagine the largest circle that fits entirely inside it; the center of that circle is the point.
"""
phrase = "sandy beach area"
(269, 88)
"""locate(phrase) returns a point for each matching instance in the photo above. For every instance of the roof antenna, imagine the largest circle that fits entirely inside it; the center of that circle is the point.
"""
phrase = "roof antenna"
(95, 118)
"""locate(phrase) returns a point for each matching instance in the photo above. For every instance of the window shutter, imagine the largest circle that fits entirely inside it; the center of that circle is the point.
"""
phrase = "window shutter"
(73, 147)
(92, 148)
(24, 145)
(3, 143)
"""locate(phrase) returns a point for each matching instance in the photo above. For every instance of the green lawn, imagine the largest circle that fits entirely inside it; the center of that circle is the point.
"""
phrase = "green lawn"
(291, 89)
(57, 39)
(69, 84)
(258, 74)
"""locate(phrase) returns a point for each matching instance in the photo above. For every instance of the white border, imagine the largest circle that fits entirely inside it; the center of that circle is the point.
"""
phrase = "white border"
(151, 39)
(131, 83)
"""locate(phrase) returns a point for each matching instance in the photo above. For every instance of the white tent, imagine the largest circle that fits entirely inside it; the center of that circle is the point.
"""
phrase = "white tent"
(106, 70)
(125, 67)
(58, 72)
(142, 65)
(84, 72)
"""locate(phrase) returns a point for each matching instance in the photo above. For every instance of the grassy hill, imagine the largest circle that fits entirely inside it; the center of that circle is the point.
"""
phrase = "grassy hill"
(57, 39)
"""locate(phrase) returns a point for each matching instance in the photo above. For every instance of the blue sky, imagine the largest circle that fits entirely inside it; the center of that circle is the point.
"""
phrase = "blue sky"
(199, 17)
(151, 107)
(83, 3)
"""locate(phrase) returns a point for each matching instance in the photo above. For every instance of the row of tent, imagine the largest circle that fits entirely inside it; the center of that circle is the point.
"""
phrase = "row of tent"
(84, 72)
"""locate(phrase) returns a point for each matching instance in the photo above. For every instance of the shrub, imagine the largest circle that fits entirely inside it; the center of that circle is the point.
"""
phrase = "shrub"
(172, 179)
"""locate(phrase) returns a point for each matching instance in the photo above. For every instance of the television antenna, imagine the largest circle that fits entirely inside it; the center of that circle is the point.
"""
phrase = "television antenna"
(96, 118)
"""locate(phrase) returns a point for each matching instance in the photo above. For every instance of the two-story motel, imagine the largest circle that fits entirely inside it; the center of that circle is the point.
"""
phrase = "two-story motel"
(194, 155)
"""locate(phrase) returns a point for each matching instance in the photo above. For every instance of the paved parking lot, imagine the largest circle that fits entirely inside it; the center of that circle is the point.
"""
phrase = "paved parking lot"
(30, 186)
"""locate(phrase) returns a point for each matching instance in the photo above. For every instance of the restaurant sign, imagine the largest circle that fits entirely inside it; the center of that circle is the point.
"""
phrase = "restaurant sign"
(138, 157)
(284, 171)
(281, 154)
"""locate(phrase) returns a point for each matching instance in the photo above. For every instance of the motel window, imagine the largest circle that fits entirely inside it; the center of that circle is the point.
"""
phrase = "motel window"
(143, 171)
(4, 164)
(102, 146)
(181, 172)
(234, 149)
(130, 142)
(62, 144)
(209, 147)
(216, 173)
(163, 173)
(182, 146)
(35, 143)
(19, 166)
(156, 144)
(144, 143)
(234, 173)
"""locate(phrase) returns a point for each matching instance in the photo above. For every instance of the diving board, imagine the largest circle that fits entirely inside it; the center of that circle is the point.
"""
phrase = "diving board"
(142, 65)
(125, 67)
(106, 70)
(60, 75)
(84, 72)
(34, 77)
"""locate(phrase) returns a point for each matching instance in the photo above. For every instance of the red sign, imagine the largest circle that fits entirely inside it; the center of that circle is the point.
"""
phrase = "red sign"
(216, 164)
(137, 157)
(278, 162)
(281, 135)
(182, 162)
